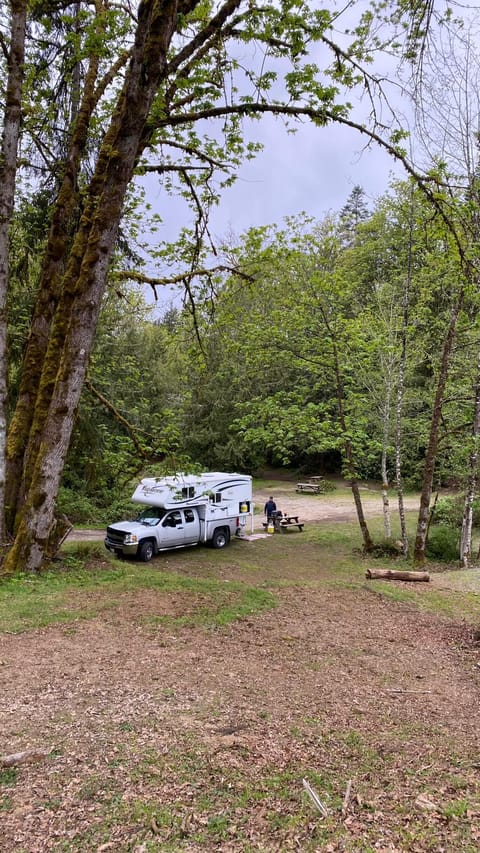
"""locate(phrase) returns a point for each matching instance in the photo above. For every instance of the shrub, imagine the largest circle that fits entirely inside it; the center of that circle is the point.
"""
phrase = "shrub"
(443, 544)
(449, 511)
(98, 510)
(78, 508)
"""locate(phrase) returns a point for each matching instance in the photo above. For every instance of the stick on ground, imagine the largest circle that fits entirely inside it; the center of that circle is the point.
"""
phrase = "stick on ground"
(315, 798)
(21, 757)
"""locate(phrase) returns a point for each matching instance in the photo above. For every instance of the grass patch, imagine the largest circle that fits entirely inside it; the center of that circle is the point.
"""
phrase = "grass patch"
(28, 602)
(218, 586)
(8, 776)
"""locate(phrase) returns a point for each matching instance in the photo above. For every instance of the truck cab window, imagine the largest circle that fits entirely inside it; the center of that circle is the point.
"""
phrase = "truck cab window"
(151, 515)
(172, 519)
(189, 515)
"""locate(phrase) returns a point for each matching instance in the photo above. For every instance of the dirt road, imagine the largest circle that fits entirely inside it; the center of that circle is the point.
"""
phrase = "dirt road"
(328, 507)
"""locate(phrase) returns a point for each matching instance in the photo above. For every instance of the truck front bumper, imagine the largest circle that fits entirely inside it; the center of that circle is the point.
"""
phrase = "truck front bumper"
(121, 550)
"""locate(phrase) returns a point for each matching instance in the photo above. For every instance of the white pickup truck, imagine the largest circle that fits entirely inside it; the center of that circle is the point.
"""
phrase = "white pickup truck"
(183, 510)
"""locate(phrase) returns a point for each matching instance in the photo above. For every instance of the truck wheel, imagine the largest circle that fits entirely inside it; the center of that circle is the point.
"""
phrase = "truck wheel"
(221, 537)
(146, 551)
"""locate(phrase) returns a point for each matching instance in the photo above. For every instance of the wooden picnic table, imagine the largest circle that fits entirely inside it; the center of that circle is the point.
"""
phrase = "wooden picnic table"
(286, 521)
(316, 488)
(283, 522)
(315, 484)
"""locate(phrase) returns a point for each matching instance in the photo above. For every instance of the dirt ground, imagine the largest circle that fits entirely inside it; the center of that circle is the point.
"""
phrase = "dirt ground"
(192, 740)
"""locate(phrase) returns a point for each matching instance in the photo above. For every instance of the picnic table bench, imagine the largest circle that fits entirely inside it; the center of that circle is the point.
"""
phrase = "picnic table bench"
(316, 485)
(284, 522)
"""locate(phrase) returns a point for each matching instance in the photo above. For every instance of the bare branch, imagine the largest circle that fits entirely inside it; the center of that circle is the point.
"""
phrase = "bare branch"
(131, 430)
(321, 117)
(140, 278)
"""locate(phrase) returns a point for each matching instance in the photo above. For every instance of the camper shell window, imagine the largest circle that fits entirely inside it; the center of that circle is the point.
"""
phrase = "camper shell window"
(188, 492)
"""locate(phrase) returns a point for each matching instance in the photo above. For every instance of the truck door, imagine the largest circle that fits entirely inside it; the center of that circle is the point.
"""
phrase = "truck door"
(180, 527)
(173, 532)
(191, 525)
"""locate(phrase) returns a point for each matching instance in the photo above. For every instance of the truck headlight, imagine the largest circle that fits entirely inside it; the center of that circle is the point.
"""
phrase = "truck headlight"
(131, 539)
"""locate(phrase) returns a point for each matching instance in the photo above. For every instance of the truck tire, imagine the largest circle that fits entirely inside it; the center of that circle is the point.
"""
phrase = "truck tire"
(221, 537)
(146, 551)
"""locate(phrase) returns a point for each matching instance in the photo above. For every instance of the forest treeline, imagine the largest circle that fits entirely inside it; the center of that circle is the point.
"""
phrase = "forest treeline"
(323, 353)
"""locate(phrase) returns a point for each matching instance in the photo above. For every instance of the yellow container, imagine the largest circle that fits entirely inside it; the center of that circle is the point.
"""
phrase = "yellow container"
(270, 527)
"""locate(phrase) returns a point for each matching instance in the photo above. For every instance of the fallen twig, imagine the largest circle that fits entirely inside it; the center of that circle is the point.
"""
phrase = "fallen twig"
(347, 798)
(400, 691)
(315, 798)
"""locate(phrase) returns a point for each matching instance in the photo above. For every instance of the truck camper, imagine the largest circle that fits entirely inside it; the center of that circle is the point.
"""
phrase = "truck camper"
(182, 510)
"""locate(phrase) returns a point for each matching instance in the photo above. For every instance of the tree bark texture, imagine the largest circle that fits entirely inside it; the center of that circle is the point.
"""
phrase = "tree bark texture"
(30, 411)
(12, 119)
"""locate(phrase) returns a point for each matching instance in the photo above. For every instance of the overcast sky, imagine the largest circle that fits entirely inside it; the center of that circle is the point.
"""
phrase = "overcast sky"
(313, 171)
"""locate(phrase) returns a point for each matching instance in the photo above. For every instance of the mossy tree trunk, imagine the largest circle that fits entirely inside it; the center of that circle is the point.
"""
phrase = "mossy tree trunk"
(8, 170)
(76, 313)
(28, 417)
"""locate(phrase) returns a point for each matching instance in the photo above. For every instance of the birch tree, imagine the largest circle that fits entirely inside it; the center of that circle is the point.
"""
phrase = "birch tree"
(448, 114)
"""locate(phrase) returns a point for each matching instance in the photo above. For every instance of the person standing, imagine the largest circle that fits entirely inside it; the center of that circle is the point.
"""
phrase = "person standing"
(269, 508)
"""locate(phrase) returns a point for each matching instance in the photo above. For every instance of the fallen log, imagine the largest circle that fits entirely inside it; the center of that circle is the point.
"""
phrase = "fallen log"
(21, 757)
(393, 575)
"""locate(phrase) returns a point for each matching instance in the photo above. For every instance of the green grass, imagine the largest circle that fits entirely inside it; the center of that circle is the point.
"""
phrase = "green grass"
(72, 593)
(8, 776)
(225, 585)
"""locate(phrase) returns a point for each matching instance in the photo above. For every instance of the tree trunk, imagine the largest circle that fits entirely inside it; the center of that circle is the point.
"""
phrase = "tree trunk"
(23, 440)
(387, 524)
(8, 170)
(430, 457)
(467, 522)
(398, 458)
(401, 381)
(84, 283)
(367, 540)
(347, 446)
